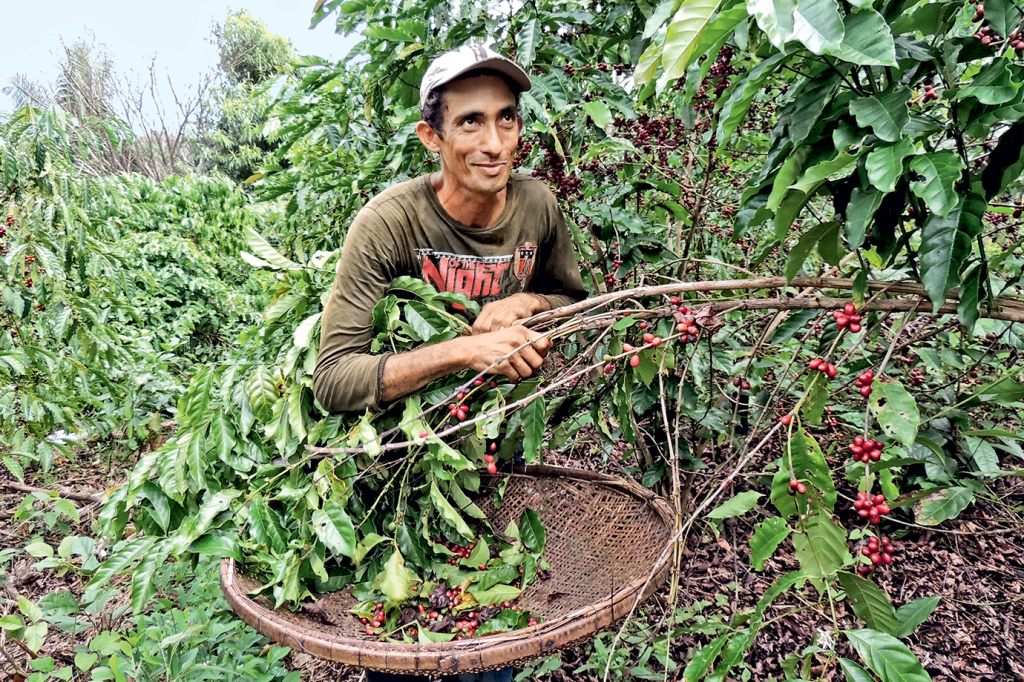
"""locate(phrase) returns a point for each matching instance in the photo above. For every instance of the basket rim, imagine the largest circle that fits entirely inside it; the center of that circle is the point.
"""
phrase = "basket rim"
(491, 652)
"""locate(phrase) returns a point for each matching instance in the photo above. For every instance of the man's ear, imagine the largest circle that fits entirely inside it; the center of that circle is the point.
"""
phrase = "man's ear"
(429, 137)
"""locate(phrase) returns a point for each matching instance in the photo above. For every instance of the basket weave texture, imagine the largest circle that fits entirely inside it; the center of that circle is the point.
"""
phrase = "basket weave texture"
(607, 542)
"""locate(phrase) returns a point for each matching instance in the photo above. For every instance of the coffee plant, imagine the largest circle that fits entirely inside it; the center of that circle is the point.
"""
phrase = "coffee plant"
(799, 223)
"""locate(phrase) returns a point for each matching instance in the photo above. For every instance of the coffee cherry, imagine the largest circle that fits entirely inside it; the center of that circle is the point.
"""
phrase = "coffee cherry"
(609, 368)
(801, 489)
(815, 363)
(634, 361)
(494, 447)
(745, 385)
(532, 622)
(849, 309)
(488, 458)
(854, 327)
(737, 382)
(423, 434)
(648, 338)
(492, 468)
(865, 391)
(674, 300)
(786, 419)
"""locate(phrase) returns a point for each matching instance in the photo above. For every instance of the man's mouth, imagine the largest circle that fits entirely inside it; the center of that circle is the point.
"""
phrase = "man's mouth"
(491, 168)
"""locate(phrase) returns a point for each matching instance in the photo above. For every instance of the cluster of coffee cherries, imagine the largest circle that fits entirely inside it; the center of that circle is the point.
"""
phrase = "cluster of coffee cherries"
(864, 381)
(825, 368)
(3, 233)
(917, 377)
(871, 507)
(866, 450)
(796, 487)
(460, 551)
(686, 323)
(929, 93)
(610, 279)
(847, 318)
(1018, 45)
(879, 552)
(492, 468)
(377, 621)
(741, 384)
(987, 35)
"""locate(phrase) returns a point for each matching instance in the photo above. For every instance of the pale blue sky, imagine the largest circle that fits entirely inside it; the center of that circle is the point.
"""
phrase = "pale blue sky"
(176, 33)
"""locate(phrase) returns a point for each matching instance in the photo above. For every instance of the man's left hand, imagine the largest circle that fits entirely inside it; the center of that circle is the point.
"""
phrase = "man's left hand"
(504, 313)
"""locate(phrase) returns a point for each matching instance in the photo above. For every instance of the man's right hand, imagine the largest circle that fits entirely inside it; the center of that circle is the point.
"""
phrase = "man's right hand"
(484, 349)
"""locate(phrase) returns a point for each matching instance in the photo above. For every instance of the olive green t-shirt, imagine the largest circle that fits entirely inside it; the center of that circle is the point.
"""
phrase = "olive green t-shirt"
(405, 230)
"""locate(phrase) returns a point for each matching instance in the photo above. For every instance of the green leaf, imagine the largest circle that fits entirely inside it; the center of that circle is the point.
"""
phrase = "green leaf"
(821, 546)
(808, 462)
(495, 595)
(818, 173)
(29, 609)
(741, 97)
(818, 25)
(941, 170)
(776, 19)
(1002, 15)
(869, 603)
(143, 578)
(969, 305)
(867, 40)
(943, 505)
(264, 526)
(84, 661)
(385, 33)
(35, 636)
(304, 332)
(599, 112)
(532, 532)
(886, 114)
(914, 613)
(534, 423)
(223, 435)
(799, 253)
(703, 657)
(885, 164)
(526, 42)
(854, 672)
(481, 554)
(683, 36)
(887, 657)
(268, 253)
(427, 637)
(768, 535)
(864, 201)
(896, 411)
(448, 512)
(945, 244)
(737, 506)
(993, 85)
(395, 581)
(335, 529)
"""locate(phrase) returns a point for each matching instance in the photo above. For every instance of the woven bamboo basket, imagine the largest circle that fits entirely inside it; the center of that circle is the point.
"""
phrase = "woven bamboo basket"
(607, 542)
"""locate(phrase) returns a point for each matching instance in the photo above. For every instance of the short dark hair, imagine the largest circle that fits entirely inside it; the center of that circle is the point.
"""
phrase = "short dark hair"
(432, 109)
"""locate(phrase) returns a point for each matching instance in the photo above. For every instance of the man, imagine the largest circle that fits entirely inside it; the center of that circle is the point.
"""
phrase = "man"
(472, 227)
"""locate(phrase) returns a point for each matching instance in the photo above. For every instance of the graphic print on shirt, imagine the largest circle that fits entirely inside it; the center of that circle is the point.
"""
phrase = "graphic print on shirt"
(482, 278)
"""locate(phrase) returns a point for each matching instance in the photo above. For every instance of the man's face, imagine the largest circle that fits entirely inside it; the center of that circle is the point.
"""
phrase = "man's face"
(481, 133)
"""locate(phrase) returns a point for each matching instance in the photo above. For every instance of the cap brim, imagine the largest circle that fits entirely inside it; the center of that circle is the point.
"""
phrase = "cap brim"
(502, 65)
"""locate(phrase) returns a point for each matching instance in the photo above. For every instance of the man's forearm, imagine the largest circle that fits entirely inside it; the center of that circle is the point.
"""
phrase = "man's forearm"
(406, 372)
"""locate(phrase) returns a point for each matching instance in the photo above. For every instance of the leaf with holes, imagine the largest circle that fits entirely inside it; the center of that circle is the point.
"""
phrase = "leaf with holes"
(335, 529)
(820, 546)
(896, 411)
(887, 657)
(941, 170)
(885, 164)
(943, 505)
(869, 603)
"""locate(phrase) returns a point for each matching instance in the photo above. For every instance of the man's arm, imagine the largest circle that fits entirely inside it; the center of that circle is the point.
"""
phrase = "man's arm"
(407, 372)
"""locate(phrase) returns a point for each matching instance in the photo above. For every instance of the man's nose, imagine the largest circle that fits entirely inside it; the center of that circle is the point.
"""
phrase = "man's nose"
(491, 142)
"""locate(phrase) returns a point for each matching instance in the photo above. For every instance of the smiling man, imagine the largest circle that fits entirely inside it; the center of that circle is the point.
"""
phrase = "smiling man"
(472, 227)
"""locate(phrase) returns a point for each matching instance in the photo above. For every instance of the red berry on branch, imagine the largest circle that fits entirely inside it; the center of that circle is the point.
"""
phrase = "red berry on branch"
(849, 309)
(786, 419)
(634, 361)
(492, 468)
(865, 391)
(648, 338)
(801, 489)
(488, 458)
(423, 434)
(815, 363)
(854, 327)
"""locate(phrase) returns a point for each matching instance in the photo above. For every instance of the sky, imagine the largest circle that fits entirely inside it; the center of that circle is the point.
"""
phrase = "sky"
(176, 33)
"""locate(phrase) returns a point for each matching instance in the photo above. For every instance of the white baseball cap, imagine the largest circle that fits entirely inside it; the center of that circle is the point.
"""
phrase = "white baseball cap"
(450, 65)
